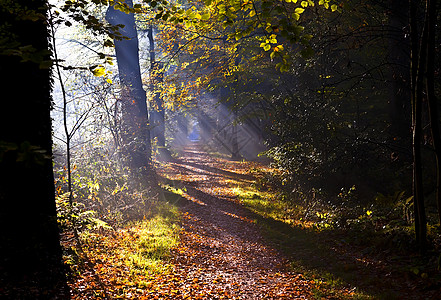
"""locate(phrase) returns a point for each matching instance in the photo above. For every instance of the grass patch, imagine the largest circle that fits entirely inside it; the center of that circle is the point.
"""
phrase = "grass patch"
(121, 263)
(266, 204)
(310, 250)
(154, 239)
(342, 248)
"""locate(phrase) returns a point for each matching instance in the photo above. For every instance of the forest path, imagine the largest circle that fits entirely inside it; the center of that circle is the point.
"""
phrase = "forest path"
(218, 251)
(223, 255)
(221, 249)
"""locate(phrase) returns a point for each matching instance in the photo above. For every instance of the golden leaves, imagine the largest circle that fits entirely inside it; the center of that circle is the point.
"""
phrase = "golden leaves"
(211, 260)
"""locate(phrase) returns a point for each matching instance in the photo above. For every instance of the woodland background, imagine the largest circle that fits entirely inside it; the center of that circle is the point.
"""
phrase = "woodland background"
(341, 97)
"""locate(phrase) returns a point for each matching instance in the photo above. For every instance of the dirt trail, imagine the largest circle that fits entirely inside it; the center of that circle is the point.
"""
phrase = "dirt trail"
(221, 248)
(222, 255)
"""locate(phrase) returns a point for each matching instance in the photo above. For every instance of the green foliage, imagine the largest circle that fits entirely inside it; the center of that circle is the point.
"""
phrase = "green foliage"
(157, 236)
(75, 217)
(379, 225)
(320, 113)
(396, 204)
(265, 204)
(101, 184)
(297, 159)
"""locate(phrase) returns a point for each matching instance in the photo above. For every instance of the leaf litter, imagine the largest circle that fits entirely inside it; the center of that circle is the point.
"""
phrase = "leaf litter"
(220, 253)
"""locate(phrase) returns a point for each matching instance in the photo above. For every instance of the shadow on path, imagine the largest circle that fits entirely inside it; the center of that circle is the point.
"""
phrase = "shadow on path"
(224, 221)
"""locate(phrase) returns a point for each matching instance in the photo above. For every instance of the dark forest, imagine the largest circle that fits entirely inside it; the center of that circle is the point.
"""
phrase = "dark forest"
(236, 149)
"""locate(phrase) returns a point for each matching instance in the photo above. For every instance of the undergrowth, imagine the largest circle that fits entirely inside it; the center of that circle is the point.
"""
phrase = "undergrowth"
(116, 233)
(121, 262)
(335, 241)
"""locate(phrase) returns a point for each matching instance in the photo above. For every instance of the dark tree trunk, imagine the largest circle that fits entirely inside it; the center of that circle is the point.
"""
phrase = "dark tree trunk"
(418, 62)
(157, 112)
(431, 13)
(30, 254)
(135, 132)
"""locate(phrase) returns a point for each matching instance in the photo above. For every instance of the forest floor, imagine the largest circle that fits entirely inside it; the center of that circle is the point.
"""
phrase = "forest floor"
(223, 248)
(229, 248)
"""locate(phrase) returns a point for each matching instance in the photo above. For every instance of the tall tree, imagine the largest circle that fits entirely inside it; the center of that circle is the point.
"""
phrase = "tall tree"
(422, 88)
(431, 17)
(157, 113)
(30, 254)
(135, 129)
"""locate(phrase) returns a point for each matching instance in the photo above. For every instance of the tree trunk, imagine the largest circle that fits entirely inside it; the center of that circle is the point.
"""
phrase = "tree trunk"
(158, 112)
(30, 254)
(431, 97)
(135, 132)
(418, 59)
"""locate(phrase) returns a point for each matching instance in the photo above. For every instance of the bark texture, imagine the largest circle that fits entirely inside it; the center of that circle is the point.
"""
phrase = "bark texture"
(30, 253)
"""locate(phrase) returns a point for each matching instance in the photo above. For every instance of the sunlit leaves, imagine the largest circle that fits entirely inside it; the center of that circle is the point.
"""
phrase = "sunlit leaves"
(98, 71)
(272, 26)
(205, 16)
(177, 95)
(274, 18)
(327, 4)
(299, 10)
(266, 45)
(116, 263)
(272, 39)
(241, 18)
(122, 6)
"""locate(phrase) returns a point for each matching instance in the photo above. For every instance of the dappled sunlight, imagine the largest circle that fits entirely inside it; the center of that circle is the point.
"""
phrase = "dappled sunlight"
(221, 235)
(333, 267)
(193, 199)
(238, 217)
(220, 149)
